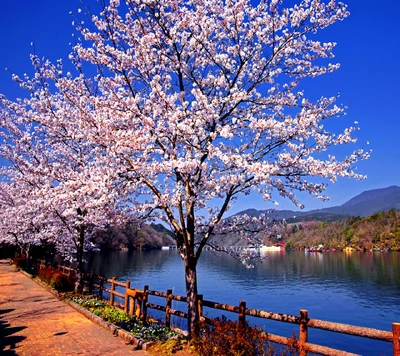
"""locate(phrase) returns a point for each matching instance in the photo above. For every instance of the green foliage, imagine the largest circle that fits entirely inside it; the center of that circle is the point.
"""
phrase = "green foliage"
(230, 338)
(60, 282)
(144, 330)
(112, 315)
(290, 245)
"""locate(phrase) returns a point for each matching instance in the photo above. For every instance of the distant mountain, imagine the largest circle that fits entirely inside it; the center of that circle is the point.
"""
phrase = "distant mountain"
(364, 204)
(154, 236)
(372, 201)
(162, 229)
(368, 202)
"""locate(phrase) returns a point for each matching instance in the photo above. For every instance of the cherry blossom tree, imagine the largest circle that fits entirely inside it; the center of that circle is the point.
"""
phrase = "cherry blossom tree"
(191, 104)
(17, 225)
(24, 222)
(53, 176)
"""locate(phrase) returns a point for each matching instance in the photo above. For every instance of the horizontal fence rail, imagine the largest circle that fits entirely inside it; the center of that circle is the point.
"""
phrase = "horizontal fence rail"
(135, 302)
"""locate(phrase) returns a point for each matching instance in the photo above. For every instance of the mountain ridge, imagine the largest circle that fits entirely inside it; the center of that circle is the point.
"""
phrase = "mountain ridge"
(364, 204)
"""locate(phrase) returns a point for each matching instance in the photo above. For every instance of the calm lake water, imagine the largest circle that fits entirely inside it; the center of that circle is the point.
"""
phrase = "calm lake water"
(354, 288)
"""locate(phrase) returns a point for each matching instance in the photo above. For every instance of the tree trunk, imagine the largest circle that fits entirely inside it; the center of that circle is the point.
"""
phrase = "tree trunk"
(28, 257)
(191, 294)
(79, 266)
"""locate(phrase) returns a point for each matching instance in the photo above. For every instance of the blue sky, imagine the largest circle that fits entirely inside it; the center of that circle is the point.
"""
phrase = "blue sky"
(368, 80)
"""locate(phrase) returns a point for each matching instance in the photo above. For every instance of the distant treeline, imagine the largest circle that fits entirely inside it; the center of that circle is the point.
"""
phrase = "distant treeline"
(129, 236)
(380, 231)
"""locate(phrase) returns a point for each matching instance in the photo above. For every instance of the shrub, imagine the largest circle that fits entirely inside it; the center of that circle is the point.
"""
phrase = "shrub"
(46, 274)
(62, 283)
(225, 337)
(56, 280)
(229, 338)
(20, 262)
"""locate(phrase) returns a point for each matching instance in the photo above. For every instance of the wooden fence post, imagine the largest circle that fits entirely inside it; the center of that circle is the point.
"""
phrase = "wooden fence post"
(91, 281)
(101, 286)
(200, 305)
(112, 291)
(396, 339)
(126, 301)
(144, 305)
(84, 278)
(303, 333)
(242, 314)
(167, 309)
(132, 306)
(139, 304)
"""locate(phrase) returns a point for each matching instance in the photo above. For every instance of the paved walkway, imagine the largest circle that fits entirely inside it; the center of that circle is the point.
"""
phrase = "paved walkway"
(34, 322)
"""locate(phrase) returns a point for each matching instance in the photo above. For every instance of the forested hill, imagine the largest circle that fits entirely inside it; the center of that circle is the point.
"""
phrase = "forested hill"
(152, 236)
(378, 231)
(364, 204)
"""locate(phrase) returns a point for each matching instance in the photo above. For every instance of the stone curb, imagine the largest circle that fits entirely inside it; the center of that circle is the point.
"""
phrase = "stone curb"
(139, 344)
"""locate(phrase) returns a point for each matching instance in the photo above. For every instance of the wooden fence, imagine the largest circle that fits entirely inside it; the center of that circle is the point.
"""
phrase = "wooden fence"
(135, 302)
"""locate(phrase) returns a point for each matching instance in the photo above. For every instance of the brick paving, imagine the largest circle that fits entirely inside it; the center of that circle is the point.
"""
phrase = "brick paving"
(34, 322)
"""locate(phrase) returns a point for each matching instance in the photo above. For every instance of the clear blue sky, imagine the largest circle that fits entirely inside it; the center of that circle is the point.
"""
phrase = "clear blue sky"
(368, 80)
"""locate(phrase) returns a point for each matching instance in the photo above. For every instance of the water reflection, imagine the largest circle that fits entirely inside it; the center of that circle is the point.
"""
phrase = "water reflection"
(380, 271)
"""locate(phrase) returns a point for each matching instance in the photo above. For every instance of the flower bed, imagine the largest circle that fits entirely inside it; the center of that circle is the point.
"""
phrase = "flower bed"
(147, 331)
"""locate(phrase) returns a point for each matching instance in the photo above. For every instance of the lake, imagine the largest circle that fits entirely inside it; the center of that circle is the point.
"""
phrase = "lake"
(354, 288)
